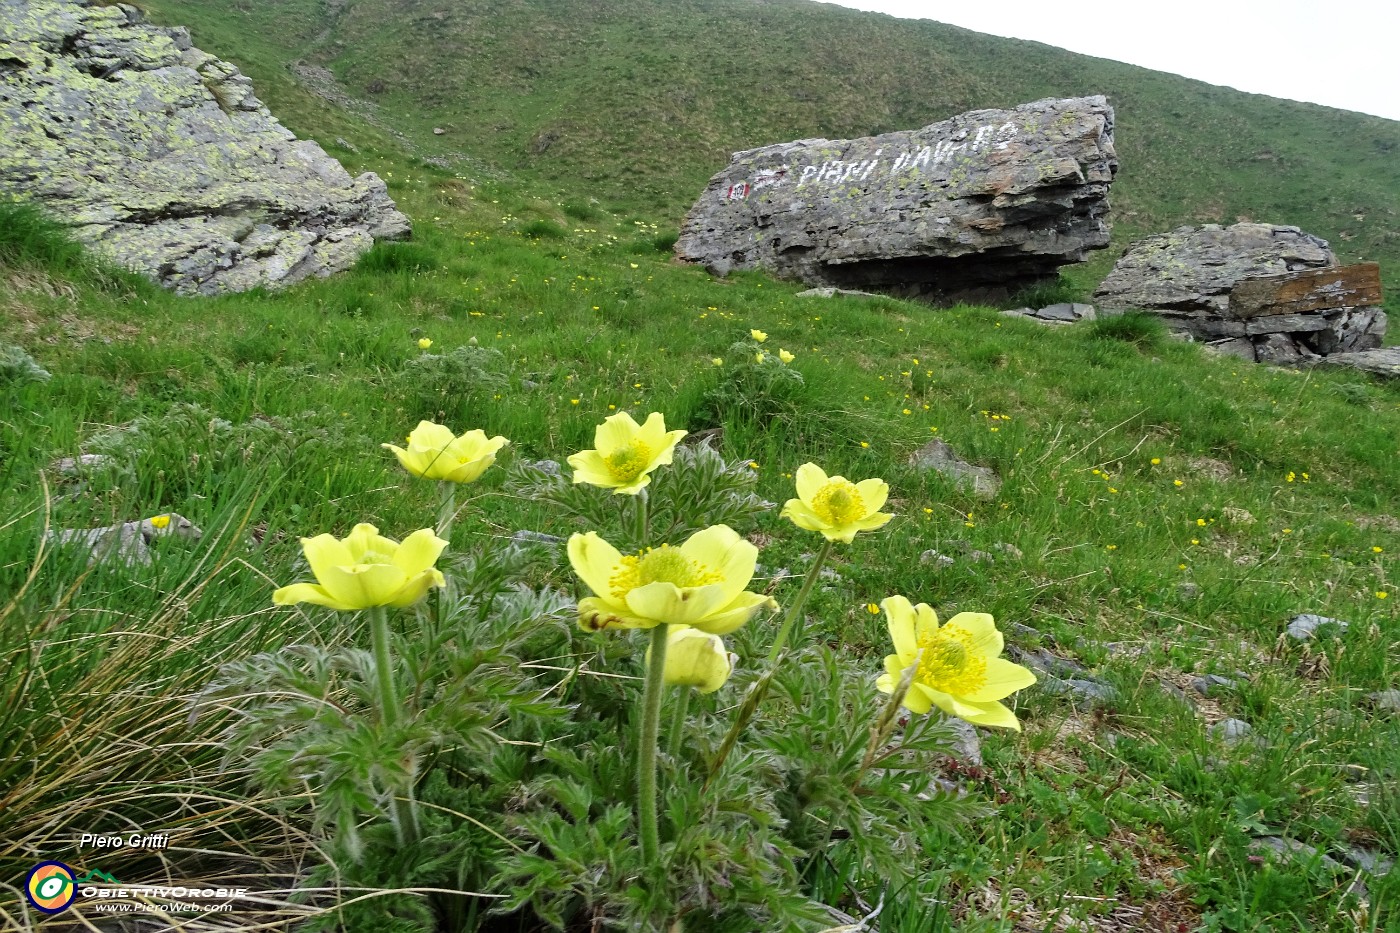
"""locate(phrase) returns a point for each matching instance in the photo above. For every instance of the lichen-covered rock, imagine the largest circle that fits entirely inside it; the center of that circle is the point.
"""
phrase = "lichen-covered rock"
(972, 208)
(163, 160)
(1187, 275)
(1265, 293)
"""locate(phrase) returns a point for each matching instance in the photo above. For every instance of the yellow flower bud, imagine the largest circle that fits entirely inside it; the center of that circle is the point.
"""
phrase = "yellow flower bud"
(424, 343)
(696, 659)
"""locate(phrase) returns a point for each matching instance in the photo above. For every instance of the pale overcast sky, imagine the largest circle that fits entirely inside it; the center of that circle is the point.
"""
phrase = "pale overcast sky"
(1342, 53)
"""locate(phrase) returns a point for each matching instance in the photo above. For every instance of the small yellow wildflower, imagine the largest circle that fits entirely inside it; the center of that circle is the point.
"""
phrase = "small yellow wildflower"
(758, 357)
(366, 569)
(956, 665)
(758, 335)
(785, 356)
(872, 609)
(625, 453)
(162, 521)
(1156, 461)
(835, 506)
(435, 453)
(424, 343)
(700, 584)
(717, 360)
(1381, 594)
(1375, 549)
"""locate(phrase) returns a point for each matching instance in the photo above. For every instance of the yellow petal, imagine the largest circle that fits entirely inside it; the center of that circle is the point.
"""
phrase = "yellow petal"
(899, 615)
(720, 548)
(871, 522)
(873, 492)
(418, 552)
(430, 436)
(307, 593)
(363, 585)
(925, 621)
(417, 586)
(736, 613)
(1003, 679)
(986, 714)
(801, 515)
(410, 461)
(986, 640)
(594, 560)
(919, 699)
(616, 431)
(810, 479)
(596, 614)
(325, 551)
(666, 602)
(590, 467)
(364, 538)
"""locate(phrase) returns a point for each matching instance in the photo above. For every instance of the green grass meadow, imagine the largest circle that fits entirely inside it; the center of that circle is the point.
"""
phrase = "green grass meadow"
(1164, 513)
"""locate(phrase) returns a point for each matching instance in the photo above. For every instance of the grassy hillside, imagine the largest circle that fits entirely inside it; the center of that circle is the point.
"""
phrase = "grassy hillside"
(638, 102)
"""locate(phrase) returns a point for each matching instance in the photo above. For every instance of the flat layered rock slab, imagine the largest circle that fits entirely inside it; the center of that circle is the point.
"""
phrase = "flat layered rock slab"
(972, 208)
(1383, 362)
(162, 159)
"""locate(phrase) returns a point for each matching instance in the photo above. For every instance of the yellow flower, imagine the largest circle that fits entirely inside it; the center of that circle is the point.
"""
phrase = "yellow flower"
(424, 343)
(758, 357)
(785, 356)
(758, 335)
(1156, 461)
(434, 453)
(1381, 594)
(625, 453)
(161, 521)
(956, 664)
(835, 506)
(717, 360)
(366, 569)
(695, 659)
(700, 584)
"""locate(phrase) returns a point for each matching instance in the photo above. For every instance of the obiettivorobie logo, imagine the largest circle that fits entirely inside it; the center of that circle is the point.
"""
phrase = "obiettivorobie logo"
(51, 887)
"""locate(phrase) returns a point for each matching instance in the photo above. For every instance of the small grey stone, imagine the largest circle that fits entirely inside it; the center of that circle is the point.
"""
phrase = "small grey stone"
(1067, 312)
(1208, 683)
(1010, 550)
(1292, 848)
(529, 384)
(1091, 690)
(1231, 731)
(938, 560)
(937, 455)
(525, 536)
(967, 746)
(1172, 690)
(1305, 626)
(439, 131)
(1188, 590)
(1368, 860)
(547, 467)
(1042, 661)
(1387, 700)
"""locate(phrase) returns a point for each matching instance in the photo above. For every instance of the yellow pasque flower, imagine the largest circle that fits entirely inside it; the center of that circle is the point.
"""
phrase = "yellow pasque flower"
(695, 659)
(424, 343)
(625, 453)
(700, 584)
(956, 664)
(785, 356)
(366, 569)
(434, 453)
(835, 506)
(758, 335)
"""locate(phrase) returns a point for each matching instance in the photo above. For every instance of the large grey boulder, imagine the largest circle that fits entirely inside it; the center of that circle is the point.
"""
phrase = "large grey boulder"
(1187, 275)
(1266, 293)
(162, 159)
(972, 208)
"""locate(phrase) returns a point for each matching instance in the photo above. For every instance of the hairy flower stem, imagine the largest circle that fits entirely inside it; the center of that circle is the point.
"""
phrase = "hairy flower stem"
(646, 748)
(403, 815)
(447, 509)
(640, 520)
(795, 610)
(678, 719)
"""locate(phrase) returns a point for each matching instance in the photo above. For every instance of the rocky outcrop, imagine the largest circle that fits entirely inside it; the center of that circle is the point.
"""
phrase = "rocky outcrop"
(163, 160)
(1266, 293)
(973, 208)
